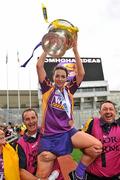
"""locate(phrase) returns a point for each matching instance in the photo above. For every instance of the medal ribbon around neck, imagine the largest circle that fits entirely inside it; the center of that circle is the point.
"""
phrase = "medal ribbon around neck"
(65, 100)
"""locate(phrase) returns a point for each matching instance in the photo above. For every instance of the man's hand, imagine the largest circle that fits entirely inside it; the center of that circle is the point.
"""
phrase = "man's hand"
(94, 151)
(47, 156)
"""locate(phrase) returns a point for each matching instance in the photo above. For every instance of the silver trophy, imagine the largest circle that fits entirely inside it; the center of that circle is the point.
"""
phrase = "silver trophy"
(59, 38)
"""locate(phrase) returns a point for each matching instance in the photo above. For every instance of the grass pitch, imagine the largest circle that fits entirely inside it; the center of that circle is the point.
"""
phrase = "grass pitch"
(76, 154)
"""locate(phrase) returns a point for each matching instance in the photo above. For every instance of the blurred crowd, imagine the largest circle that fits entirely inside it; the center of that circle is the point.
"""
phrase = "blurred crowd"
(12, 131)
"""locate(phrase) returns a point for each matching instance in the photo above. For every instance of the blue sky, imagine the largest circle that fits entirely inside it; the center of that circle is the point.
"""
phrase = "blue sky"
(23, 26)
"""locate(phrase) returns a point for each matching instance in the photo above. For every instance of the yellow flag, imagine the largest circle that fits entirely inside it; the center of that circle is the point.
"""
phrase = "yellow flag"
(11, 163)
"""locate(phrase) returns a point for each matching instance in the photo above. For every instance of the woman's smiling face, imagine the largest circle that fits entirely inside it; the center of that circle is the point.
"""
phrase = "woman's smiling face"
(60, 77)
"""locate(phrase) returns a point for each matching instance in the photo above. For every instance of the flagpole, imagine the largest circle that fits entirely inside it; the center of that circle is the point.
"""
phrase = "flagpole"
(30, 101)
(7, 87)
(39, 101)
(18, 83)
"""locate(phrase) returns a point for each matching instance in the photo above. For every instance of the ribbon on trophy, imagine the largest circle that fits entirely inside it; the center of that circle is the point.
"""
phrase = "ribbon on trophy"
(26, 62)
(59, 38)
(44, 10)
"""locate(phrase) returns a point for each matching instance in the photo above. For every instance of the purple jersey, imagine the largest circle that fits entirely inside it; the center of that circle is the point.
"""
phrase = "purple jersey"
(55, 118)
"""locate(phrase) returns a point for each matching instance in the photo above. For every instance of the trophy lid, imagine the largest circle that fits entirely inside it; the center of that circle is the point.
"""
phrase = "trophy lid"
(64, 25)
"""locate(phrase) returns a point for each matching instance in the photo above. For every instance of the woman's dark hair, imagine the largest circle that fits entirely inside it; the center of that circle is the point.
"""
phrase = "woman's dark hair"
(62, 68)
